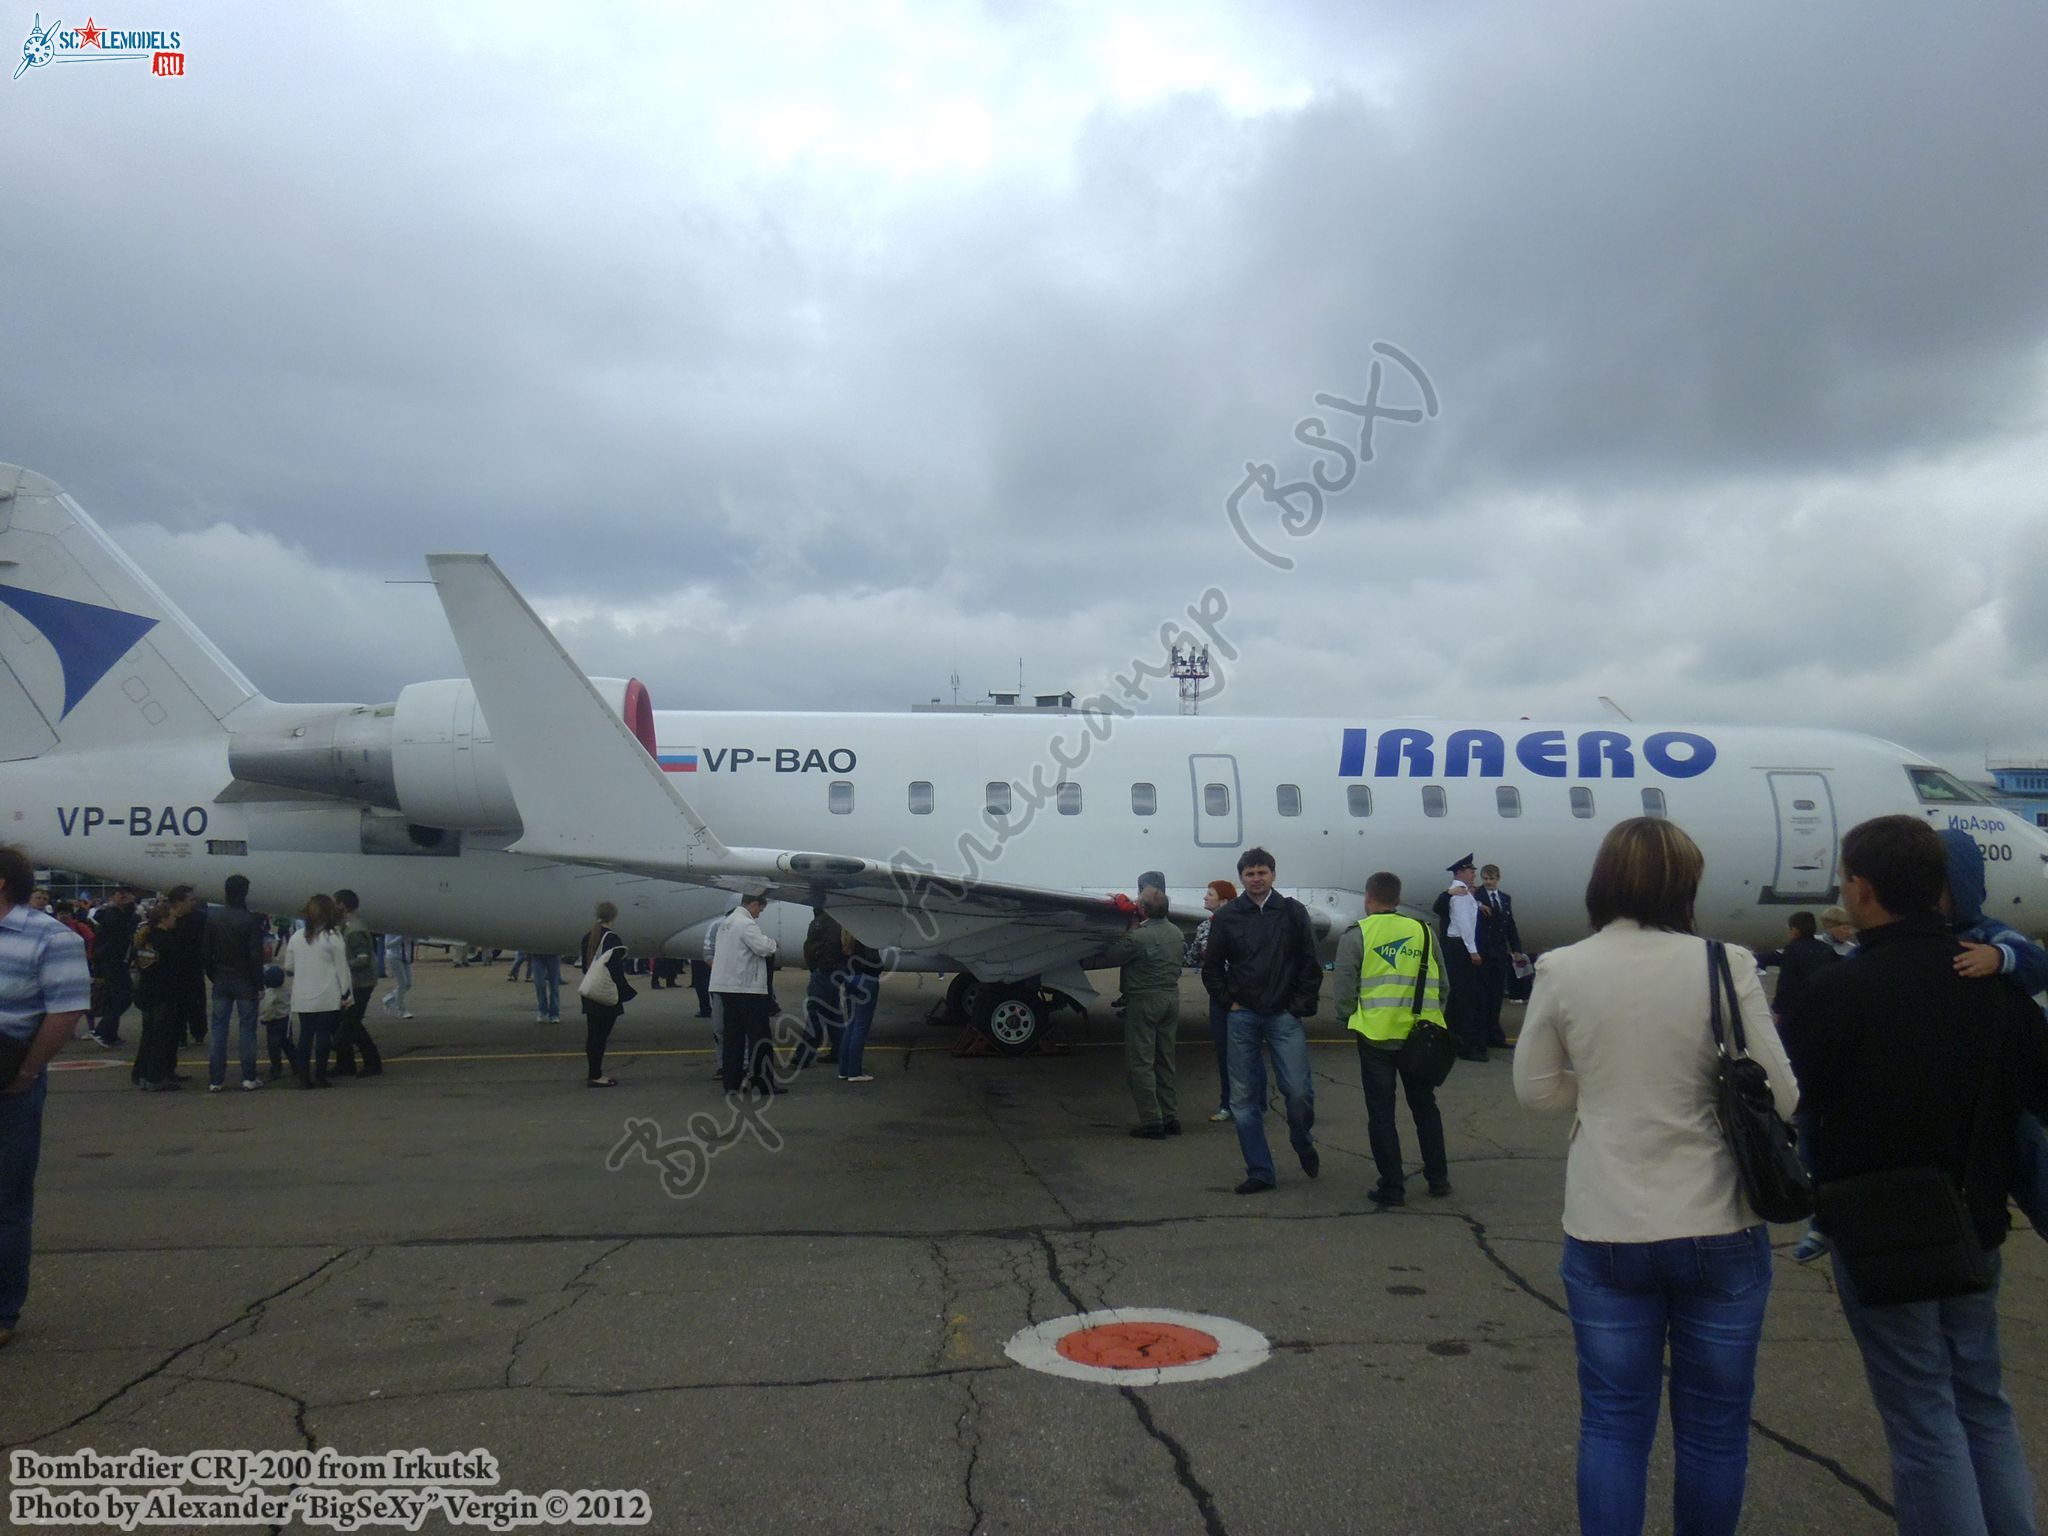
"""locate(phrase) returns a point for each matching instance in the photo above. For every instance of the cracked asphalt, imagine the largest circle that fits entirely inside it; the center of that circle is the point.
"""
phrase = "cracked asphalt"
(814, 1340)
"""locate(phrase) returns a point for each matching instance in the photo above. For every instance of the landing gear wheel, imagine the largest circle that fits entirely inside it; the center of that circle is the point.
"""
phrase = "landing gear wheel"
(1013, 1018)
(961, 992)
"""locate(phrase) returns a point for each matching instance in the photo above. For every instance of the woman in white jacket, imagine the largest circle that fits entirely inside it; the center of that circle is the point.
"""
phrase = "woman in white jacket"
(1659, 1242)
(318, 967)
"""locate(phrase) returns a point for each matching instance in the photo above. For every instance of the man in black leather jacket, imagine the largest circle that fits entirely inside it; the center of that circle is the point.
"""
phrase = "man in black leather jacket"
(1263, 966)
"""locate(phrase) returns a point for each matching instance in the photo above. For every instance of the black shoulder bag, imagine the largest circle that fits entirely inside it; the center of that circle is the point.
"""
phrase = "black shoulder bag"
(1905, 1234)
(1429, 1051)
(1766, 1151)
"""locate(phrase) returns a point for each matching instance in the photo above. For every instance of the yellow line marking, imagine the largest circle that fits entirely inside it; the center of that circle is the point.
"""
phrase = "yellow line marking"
(624, 1050)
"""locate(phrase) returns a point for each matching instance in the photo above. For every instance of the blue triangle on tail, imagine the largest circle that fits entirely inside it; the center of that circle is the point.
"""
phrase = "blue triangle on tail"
(87, 638)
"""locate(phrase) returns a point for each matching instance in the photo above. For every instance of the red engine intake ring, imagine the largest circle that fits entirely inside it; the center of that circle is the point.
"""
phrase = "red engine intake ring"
(639, 714)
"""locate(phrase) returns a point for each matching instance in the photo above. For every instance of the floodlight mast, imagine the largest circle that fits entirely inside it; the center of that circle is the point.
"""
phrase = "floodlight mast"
(1190, 671)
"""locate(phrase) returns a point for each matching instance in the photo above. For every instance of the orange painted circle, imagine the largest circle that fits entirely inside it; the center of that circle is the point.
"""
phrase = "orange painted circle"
(1137, 1346)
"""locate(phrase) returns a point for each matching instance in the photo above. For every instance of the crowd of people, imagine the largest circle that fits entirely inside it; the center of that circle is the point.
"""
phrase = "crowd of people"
(192, 973)
(1903, 1042)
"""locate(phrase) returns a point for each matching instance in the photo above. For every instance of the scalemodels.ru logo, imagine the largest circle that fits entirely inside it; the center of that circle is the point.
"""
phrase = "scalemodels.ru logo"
(91, 43)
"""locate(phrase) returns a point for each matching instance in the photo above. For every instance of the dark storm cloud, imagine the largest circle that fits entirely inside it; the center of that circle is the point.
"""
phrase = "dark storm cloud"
(1728, 309)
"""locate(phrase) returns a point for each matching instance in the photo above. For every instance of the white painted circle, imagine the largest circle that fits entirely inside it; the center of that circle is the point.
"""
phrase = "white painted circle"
(1238, 1348)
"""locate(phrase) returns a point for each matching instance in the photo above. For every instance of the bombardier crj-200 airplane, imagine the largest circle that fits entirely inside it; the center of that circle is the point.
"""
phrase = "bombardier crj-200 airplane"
(131, 748)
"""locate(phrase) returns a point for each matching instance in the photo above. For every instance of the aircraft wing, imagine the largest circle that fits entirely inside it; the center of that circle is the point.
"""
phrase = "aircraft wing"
(608, 804)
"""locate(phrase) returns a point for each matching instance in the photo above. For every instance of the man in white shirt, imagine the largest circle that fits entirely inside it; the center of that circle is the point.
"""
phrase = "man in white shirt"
(1457, 911)
(739, 979)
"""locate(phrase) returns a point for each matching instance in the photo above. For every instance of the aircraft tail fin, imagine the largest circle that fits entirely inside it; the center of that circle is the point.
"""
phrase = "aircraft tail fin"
(92, 654)
(609, 802)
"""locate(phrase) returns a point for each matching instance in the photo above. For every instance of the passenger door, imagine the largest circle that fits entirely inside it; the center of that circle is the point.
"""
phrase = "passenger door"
(1805, 869)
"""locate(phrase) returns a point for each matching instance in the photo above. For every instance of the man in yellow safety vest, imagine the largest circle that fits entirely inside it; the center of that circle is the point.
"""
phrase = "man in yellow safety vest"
(1390, 974)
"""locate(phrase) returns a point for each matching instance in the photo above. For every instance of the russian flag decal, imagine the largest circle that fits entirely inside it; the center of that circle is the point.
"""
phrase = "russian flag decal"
(678, 762)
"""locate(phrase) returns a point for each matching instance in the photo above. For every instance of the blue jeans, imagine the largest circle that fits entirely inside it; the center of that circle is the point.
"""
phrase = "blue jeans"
(401, 979)
(237, 997)
(21, 1148)
(1958, 1468)
(1219, 1036)
(1252, 1035)
(1706, 1297)
(546, 971)
(823, 1013)
(862, 993)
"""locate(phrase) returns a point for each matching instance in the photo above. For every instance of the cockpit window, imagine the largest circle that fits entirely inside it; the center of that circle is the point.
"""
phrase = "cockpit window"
(1936, 787)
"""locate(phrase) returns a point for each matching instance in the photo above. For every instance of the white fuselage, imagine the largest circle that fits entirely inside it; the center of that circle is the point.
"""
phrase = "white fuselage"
(1332, 802)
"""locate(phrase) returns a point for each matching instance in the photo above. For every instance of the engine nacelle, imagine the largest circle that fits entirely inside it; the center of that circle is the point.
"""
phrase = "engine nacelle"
(429, 756)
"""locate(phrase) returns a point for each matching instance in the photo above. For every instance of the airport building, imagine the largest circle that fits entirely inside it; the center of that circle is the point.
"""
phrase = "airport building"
(2022, 788)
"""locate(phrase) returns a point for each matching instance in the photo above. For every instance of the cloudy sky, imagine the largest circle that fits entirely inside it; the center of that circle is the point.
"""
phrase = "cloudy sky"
(796, 356)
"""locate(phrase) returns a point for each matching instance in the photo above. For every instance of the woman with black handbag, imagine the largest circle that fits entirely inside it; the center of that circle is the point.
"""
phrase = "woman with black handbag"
(1660, 1240)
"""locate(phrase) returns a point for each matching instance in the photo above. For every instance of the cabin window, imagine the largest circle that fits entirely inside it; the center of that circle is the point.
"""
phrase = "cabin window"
(1358, 799)
(1068, 799)
(1653, 803)
(839, 798)
(1433, 802)
(1144, 799)
(1582, 802)
(1216, 799)
(995, 797)
(920, 798)
(1289, 798)
(1507, 800)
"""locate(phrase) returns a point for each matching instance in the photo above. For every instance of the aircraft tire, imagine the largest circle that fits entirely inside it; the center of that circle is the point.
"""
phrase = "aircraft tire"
(960, 997)
(1012, 1016)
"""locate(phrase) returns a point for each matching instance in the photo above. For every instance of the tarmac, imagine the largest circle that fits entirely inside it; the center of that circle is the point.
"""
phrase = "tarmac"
(804, 1330)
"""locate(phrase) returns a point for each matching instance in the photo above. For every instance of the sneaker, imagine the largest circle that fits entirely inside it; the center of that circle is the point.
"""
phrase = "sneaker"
(869, 1077)
(1254, 1187)
(384, 1002)
(1810, 1247)
(1149, 1132)
(1312, 1162)
(1440, 1189)
(1386, 1198)
(1173, 1127)
(1217, 1117)
(540, 1018)
(250, 1084)
(215, 1087)
(105, 1044)
(553, 1018)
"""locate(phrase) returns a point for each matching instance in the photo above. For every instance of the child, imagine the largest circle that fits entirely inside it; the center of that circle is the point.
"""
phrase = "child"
(276, 1016)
